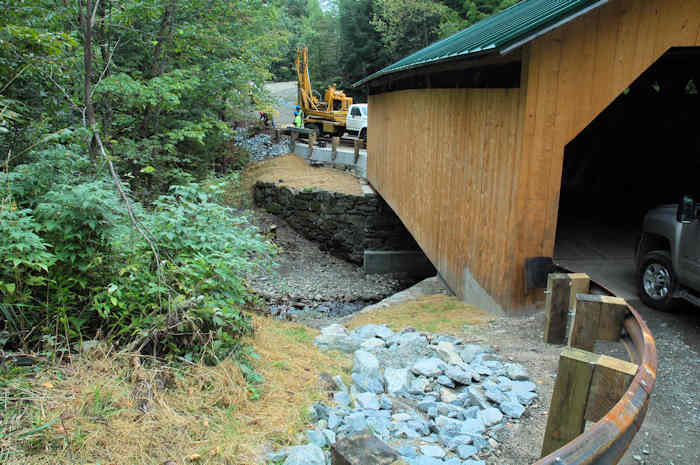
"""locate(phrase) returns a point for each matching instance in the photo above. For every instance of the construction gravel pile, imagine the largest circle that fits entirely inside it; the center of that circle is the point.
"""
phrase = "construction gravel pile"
(432, 398)
(261, 146)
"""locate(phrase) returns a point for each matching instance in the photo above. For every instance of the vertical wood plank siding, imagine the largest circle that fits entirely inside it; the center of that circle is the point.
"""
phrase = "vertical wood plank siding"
(448, 174)
(475, 174)
(580, 69)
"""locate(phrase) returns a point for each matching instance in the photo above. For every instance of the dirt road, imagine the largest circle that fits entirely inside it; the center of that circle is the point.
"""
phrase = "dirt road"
(286, 95)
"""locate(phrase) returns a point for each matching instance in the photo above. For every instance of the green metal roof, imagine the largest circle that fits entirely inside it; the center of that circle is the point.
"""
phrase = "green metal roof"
(495, 34)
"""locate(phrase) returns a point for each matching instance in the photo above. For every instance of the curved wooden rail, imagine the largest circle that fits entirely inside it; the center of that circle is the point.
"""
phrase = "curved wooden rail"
(607, 440)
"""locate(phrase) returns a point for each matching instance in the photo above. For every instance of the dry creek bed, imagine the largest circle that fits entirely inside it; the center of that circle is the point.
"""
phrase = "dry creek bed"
(309, 278)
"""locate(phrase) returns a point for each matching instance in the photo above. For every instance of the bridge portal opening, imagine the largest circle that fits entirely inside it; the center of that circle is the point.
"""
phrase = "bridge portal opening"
(642, 151)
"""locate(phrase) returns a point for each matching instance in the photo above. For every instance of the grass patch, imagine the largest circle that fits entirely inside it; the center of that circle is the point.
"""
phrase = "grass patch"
(433, 313)
(120, 408)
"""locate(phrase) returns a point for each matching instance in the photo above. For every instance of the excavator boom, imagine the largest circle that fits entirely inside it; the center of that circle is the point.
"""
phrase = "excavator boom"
(327, 116)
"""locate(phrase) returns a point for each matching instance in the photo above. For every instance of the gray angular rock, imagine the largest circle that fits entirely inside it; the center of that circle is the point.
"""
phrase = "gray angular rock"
(448, 426)
(371, 330)
(427, 460)
(407, 451)
(432, 451)
(368, 384)
(460, 375)
(397, 379)
(490, 416)
(402, 416)
(385, 402)
(495, 395)
(493, 364)
(516, 372)
(522, 386)
(445, 381)
(356, 422)
(342, 398)
(477, 397)
(447, 353)
(470, 351)
(525, 398)
(418, 386)
(309, 454)
(316, 437)
(512, 409)
(472, 412)
(480, 443)
(447, 395)
(365, 363)
(465, 451)
(334, 421)
(330, 436)
(372, 344)
(336, 337)
(318, 411)
(472, 426)
(429, 367)
(426, 404)
(367, 400)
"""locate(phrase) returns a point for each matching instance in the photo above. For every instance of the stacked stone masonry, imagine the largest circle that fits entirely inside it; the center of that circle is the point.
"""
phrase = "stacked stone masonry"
(343, 224)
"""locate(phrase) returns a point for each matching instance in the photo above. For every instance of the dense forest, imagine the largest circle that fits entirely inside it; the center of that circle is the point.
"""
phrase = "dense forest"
(117, 153)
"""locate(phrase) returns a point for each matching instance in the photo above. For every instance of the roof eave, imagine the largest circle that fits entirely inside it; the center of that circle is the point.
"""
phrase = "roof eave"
(502, 50)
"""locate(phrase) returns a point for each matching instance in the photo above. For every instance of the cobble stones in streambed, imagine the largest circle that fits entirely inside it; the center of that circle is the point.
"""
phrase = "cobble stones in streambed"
(432, 398)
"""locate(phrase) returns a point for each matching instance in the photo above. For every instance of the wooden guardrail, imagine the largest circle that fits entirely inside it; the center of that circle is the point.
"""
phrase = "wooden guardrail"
(611, 392)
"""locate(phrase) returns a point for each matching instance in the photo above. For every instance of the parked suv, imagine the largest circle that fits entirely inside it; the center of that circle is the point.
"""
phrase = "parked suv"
(356, 121)
(668, 255)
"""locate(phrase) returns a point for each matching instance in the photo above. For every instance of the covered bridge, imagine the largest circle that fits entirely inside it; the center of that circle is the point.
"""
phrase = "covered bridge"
(550, 112)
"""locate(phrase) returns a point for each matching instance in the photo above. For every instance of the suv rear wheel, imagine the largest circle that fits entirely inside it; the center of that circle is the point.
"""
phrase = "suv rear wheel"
(657, 283)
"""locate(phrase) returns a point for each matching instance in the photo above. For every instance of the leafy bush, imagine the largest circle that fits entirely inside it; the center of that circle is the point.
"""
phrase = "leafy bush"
(206, 252)
(73, 264)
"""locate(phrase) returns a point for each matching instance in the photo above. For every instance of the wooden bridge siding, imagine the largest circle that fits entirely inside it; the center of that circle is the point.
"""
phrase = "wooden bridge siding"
(443, 159)
(570, 76)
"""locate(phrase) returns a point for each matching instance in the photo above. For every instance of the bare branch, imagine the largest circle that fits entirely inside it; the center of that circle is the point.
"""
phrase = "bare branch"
(104, 71)
(132, 217)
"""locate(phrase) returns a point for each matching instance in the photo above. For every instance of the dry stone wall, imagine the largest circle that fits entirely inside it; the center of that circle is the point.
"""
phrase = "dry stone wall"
(343, 224)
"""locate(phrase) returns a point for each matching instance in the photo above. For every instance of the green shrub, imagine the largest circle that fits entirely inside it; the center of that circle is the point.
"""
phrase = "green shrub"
(73, 265)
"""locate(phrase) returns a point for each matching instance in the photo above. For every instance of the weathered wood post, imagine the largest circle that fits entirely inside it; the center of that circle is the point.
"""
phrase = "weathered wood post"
(560, 301)
(312, 142)
(334, 145)
(596, 317)
(588, 385)
(357, 150)
(277, 135)
(295, 135)
(556, 308)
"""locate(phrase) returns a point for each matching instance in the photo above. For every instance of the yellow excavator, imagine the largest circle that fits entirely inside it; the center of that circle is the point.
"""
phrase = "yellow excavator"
(326, 116)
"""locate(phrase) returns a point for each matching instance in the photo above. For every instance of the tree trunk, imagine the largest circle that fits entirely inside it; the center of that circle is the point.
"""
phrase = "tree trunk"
(86, 19)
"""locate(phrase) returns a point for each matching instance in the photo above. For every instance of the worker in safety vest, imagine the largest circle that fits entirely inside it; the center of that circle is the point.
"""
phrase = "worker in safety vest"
(298, 121)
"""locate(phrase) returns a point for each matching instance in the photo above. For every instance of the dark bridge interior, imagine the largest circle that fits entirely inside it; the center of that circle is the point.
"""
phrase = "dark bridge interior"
(642, 151)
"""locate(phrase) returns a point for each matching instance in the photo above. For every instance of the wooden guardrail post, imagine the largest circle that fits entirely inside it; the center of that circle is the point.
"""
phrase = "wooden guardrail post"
(356, 145)
(560, 300)
(295, 135)
(587, 386)
(334, 145)
(556, 308)
(596, 317)
(277, 135)
(312, 142)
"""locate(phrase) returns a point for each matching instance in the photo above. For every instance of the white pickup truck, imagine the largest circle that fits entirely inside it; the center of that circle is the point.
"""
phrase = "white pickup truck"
(356, 121)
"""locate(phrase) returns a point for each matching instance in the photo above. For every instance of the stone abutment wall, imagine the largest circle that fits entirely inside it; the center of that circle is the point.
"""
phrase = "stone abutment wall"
(343, 224)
